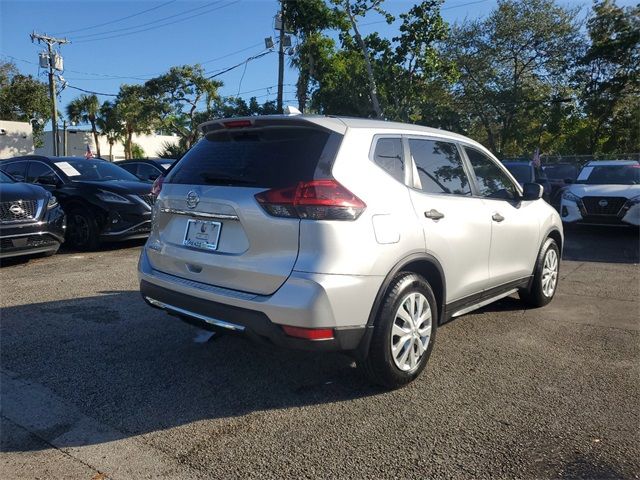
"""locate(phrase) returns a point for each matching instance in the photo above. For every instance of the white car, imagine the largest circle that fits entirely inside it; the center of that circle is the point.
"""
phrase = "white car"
(346, 234)
(605, 193)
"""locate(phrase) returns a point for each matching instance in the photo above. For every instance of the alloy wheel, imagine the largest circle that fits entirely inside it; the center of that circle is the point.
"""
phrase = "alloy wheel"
(550, 272)
(411, 331)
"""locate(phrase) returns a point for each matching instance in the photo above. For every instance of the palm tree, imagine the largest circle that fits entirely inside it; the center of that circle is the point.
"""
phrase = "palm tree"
(110, 125)
(85, 109)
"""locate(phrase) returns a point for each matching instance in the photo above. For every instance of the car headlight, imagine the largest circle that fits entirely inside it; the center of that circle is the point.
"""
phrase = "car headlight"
(633, 201)
(53, 202)
(111, 197)
(571, 197)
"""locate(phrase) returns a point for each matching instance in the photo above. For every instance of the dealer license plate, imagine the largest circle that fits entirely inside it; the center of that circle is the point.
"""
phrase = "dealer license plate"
(202, 234)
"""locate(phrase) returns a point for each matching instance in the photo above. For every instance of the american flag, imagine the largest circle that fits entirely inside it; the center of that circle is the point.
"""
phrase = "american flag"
(88, 153)
(536, 158)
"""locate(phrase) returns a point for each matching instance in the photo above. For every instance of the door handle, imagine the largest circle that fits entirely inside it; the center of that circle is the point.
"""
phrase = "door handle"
(497, 217)
(434, 214)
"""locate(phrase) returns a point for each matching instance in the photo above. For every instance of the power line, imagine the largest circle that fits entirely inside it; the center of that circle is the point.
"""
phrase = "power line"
(91, 91)
(118, 19)
(156, 26)
(158, 20)
(232, 53)
(228, 69)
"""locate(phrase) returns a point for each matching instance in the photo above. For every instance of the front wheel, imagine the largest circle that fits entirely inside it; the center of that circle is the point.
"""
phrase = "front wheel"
(404, 332)
(82, 229)
(545, 276)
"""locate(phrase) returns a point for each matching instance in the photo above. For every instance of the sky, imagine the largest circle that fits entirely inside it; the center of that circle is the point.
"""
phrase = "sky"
(123, 41)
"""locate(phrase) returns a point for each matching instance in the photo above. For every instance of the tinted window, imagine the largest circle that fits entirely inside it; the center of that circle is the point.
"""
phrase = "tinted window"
(521, 171)
(274, 157)
(40, 173)
(561, 172)
(93, 170)
(388, 155)
(130, 167)
(148, 172)
(17, 170)
(492, 181)
(439, 167)
(4, 178)
(609, 174)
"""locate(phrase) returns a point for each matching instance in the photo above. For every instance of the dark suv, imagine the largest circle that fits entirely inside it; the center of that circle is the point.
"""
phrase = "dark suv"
(103, 202)
(31, 220)
(527, 172)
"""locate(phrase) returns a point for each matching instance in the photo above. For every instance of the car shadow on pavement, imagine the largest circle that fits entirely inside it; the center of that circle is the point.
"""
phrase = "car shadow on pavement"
(585, 243)
(138, 370)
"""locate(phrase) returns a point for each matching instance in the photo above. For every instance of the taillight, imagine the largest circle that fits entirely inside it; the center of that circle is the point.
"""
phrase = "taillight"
(157, 185)
(315, 200)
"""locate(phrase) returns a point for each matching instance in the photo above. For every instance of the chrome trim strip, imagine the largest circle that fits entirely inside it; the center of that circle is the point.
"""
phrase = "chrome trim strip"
(483, 303)
(120, 232)
(216, 216)
(25, 234)
(211, 321)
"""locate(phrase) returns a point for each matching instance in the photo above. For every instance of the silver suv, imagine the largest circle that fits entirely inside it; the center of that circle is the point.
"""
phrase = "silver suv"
(344, 234)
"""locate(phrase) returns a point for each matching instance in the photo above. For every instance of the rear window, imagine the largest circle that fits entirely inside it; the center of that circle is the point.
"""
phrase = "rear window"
(271, 157)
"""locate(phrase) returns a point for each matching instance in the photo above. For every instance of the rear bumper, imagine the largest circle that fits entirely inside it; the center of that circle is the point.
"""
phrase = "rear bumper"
(342, 303)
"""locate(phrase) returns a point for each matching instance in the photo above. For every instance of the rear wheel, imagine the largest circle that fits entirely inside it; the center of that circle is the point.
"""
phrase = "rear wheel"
(404, 332)
(545, 277)
(82, 229)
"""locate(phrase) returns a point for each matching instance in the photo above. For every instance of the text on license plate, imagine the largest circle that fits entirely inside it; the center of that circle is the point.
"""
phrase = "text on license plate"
(202, 234)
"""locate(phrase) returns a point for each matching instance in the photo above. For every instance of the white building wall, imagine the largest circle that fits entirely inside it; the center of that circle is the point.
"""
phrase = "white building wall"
(77, 141)
(16, 138)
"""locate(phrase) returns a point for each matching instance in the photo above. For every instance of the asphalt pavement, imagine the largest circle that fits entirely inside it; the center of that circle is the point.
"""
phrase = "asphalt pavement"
(95, 384)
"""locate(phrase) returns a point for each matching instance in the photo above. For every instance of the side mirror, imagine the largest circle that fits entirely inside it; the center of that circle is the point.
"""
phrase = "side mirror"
(532, 191)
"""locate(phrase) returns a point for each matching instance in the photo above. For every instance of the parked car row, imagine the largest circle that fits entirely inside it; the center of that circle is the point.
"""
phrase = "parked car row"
(601, 193)
(101, 202)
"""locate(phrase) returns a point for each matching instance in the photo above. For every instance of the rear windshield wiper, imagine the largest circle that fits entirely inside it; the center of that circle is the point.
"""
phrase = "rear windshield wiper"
(217, 179)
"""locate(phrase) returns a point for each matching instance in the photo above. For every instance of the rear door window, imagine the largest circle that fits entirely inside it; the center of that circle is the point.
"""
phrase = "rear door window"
(270, 157)
(439, 167)
(17, 170)
(388, 155)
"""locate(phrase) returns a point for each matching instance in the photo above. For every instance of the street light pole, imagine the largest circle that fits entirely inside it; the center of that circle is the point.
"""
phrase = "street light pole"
(281, 58)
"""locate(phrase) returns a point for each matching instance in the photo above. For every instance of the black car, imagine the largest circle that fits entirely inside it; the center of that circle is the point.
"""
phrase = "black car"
(560, 175)
(103, 202)
(31, 221)
(147, 170)
(527, 172)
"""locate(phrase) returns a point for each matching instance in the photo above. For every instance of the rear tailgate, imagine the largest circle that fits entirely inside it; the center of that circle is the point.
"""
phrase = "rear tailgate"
(211, 228)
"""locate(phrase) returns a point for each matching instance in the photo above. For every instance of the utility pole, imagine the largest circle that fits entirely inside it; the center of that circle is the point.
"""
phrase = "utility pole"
(281, 58)
(52, 64)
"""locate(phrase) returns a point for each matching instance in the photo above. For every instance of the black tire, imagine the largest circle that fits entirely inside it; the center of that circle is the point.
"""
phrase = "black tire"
(82, 229)
(535, 296)
(378, 363)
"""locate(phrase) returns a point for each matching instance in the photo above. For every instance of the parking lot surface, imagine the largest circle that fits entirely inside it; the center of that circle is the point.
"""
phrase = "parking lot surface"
(95, 382)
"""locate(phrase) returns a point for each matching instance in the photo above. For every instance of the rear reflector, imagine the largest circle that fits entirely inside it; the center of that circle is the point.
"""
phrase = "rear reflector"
(237, 124)
(314, 200)
(309, 333)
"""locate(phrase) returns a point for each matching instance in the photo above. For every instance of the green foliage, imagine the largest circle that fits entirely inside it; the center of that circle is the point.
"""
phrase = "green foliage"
(608, 80)
(24, 99)
(180, 93)
(512, 65)
(172, 151)
(137, 151)
(85, 109)
(138, 113)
